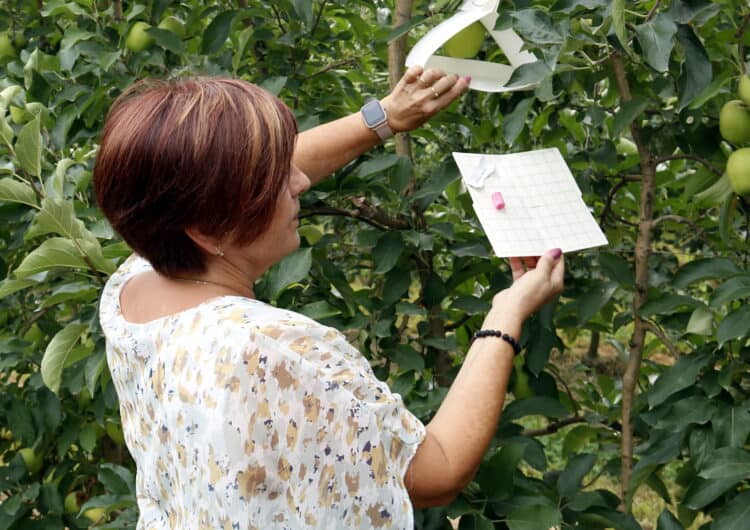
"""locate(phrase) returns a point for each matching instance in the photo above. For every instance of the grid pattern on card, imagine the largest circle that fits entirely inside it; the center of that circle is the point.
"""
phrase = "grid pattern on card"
(543, 205)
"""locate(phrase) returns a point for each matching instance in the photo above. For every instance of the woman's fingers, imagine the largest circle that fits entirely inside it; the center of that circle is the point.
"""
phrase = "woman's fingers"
(516, 267)
(418, 95)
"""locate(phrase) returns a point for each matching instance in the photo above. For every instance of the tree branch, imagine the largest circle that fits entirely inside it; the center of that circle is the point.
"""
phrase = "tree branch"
(458, 323)
(642, 253)
(687, 156)
(396, 60)
(657, 331)
(317, 18)
(330, 210)
(676, 218)
(553, 427)
(364, 212)
(379, 216)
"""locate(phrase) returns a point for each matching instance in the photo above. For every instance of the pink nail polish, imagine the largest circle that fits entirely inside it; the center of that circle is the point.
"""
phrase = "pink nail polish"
(498, 201)
(468, 78)
(555, 253)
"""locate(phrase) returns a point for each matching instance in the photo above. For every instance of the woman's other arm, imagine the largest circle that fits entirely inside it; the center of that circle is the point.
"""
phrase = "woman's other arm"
(323, 149)
(461, 431)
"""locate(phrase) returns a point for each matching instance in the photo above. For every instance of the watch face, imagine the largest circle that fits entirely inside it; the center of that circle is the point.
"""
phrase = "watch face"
(373, 113)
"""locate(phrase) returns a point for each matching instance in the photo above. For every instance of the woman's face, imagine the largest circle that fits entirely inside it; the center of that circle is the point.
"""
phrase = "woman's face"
(281, 237)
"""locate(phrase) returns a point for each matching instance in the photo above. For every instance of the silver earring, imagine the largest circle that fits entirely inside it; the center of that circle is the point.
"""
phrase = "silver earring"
(219, 252)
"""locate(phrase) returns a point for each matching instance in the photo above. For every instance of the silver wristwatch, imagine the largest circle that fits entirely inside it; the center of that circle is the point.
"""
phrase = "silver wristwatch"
(376, 119)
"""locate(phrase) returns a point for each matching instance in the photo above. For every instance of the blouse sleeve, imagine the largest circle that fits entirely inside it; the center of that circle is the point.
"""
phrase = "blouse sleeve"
(341, 440)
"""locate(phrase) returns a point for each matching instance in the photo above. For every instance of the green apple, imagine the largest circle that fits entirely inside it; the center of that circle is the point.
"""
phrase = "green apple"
(95, 515)
(6, 46)
(521, 388)
(71, 503)
(738, 171)
(734, 122)
(138, 40)
(174, 25)
(84, 397)
(114, 431)
(466, 43)
(743, 89)
(31, 459)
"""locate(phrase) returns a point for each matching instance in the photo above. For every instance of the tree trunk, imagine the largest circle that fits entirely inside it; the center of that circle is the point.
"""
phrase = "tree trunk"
(642, 253)
(396, 59)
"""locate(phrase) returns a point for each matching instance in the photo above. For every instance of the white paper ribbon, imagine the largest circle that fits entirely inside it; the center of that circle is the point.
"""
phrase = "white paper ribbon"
(485, 76)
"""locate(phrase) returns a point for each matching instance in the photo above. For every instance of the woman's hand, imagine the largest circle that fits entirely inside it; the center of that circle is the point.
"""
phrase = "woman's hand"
(419, 95)
(536, 281)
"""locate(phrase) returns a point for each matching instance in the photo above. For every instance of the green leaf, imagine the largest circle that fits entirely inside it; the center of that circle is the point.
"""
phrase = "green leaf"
(12, 190)
(217, 32)
(668, 304)
(705, 269)
(536, 26)
(440, 178)
(577, 437)
(516, 120)
(656, 38)
(529, 74)
(731, 290)
(701, 322)
(496, 476)
(736, 325)
(570, 480)
(377, 164)
(292, 269)
(57, 216)
(717, 193)
(536, 405)
(407, 358)
(534, 517)
(592, 301)
(727, 463)
(628, 112)
(167, 40)
(29, 147)
(618, 22)
(667, 521)
(617, 268)
(679, 376)
(387, 251)
(304, 10)
(735, 515)
(10, 286)
(51, 254)
(697, 71)
(403, 29)
(57, 353)
(703, 492)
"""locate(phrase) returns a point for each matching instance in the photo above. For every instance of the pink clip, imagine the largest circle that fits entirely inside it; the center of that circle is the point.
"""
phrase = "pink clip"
(498, 201)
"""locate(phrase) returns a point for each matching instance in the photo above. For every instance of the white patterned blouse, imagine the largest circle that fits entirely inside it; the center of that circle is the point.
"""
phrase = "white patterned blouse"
(240, 415)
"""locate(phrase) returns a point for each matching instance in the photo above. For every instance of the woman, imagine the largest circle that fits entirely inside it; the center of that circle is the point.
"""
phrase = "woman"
(238, 414)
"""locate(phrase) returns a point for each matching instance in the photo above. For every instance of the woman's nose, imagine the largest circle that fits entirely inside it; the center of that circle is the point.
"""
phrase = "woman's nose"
(300, 181)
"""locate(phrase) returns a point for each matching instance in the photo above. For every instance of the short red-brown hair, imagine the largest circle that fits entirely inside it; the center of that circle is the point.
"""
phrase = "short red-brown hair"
(211, 154)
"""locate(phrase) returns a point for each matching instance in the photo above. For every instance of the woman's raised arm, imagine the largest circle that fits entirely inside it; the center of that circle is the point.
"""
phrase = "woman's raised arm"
(323, 149)
(459, 434)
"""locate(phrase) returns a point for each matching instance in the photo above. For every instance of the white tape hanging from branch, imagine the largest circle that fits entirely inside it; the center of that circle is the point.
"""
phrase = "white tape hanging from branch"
(485, 76)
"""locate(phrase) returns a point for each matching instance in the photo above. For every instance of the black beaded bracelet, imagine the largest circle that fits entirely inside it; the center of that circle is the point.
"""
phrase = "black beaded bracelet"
(499, 334)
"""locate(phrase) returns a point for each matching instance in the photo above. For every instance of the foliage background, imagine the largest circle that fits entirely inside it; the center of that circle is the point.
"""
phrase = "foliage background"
(655, 324)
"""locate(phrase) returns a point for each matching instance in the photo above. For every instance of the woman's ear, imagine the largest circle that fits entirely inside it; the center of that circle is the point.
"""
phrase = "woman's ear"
(208, 244)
